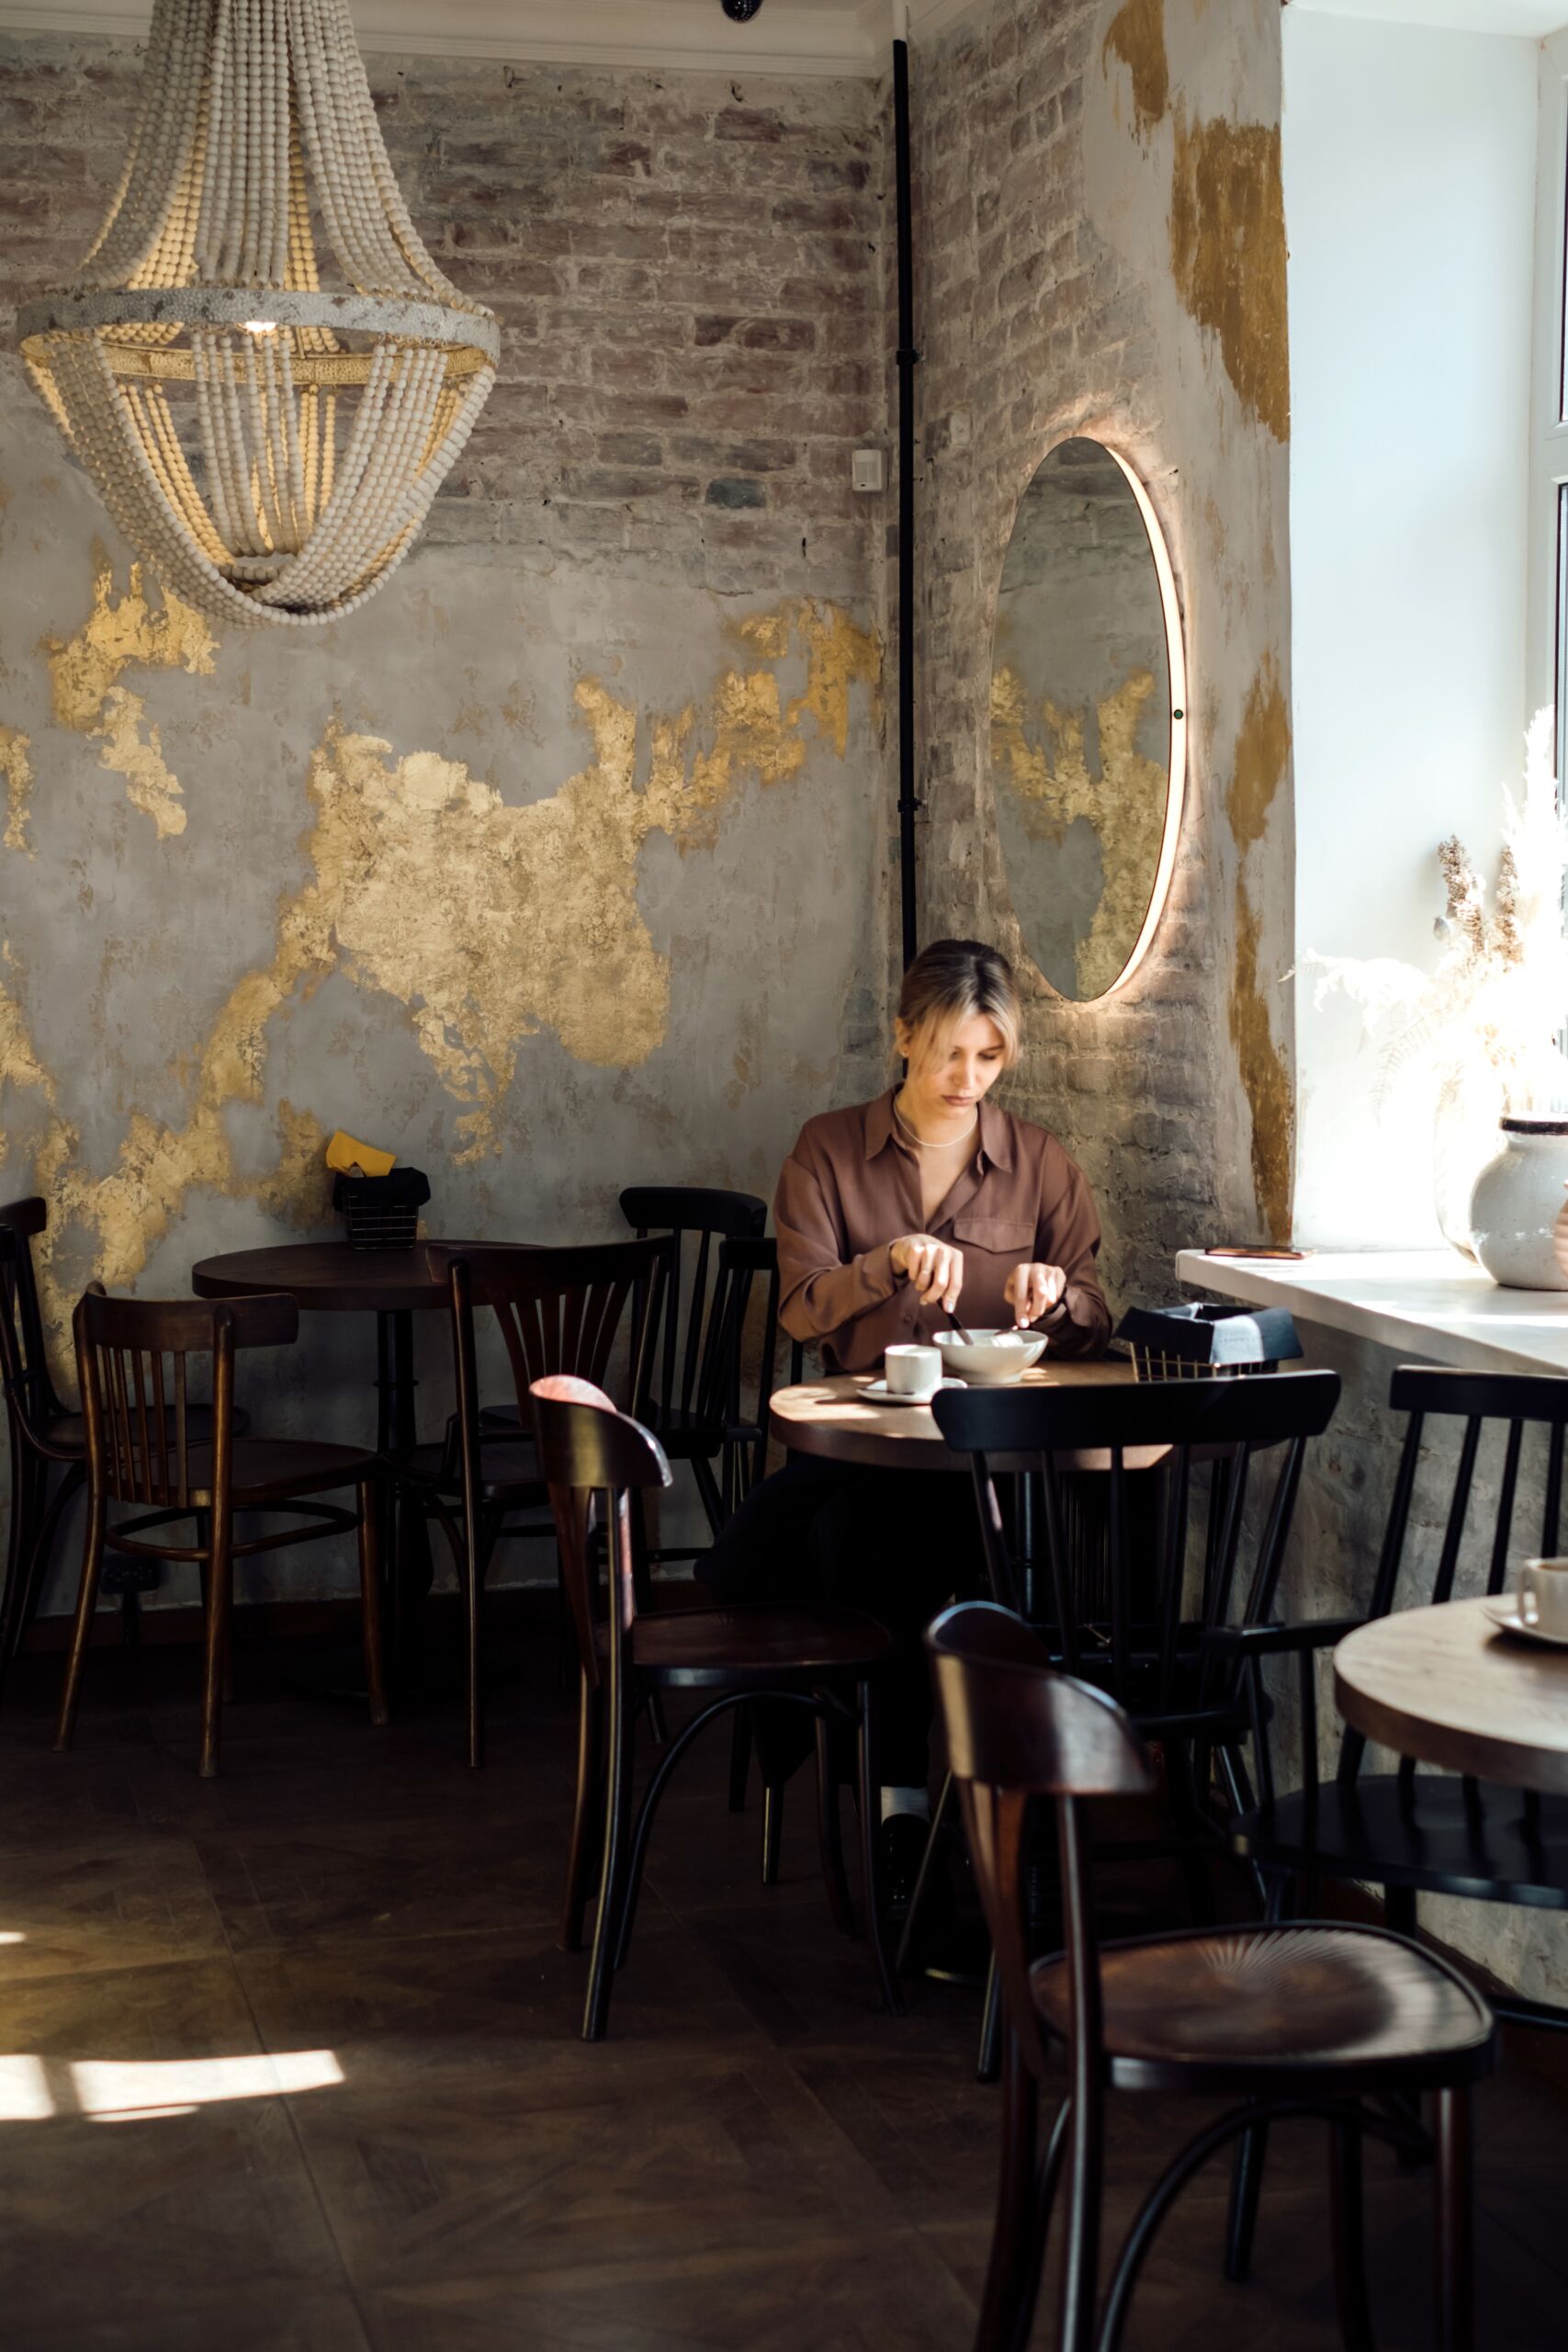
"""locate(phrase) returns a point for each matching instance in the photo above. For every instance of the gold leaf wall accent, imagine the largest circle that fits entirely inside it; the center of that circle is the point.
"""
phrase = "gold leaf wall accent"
(16, 767)
(1227, 251)
(1137, 37)
(84, 675)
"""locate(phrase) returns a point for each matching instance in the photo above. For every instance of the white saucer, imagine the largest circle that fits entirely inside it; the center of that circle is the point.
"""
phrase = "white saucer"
(1504, 1615)
(880, 1394)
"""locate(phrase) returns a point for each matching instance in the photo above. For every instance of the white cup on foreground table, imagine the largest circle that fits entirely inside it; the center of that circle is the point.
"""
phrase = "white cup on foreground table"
(1543, 1595)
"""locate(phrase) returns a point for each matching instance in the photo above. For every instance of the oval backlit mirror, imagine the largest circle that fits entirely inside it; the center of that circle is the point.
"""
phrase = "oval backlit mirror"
(1089, 700)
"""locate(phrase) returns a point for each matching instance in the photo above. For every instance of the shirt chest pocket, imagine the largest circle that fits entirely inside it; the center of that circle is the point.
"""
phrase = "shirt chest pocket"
(1010, 1237)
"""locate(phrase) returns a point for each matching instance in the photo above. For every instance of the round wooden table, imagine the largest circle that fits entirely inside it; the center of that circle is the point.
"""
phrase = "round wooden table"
(329, 1278)
(837, 1421)
(1444, 1686)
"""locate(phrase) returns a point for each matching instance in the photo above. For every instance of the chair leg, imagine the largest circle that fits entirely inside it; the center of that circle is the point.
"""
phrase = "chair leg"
(371, 1511)
(586, 1812)
(1246, 2163)
(739, 1759)
(81, 1632)
(612, 1872)
(918, 1893)
(772, 1830)
(1350, 2236)
(1455, 2219)
(870, 1823)
(16, 1556)
(988, 2058)
(474, 1583)
(829, 1829)
(1013, 2229)
(43, 1519)
(219, 1589)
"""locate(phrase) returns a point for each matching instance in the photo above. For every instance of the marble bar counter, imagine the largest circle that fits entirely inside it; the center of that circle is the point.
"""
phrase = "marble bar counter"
(1427, 1303)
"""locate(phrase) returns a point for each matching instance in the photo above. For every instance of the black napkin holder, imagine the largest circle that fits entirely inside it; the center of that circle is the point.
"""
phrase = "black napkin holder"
(1203, 1342)
(382, 1212)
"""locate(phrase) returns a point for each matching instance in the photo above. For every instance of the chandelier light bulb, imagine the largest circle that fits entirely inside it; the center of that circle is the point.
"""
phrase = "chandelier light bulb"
(274, 469)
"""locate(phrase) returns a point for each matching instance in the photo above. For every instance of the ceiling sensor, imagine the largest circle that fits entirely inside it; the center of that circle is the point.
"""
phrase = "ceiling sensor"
(740, 12)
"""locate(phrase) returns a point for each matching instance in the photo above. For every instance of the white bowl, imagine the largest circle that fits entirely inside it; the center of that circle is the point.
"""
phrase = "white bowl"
(994, 1357)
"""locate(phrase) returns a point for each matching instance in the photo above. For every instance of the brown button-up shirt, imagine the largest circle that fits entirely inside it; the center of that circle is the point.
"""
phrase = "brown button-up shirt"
(852, 1187)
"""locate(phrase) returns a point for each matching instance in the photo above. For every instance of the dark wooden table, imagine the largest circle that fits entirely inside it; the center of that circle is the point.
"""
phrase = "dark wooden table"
(329, 1278)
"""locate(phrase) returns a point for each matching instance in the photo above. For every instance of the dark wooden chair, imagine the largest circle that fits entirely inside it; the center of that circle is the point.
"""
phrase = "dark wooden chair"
(45, 1436)
(1408, 1831)
(558, 1311)
(694, 1363)
(1317, 2020)
(1141, 1632)
(146, 1447)
(594, 1461)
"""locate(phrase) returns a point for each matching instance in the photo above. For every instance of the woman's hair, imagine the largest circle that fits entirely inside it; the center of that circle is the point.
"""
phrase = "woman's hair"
(953, 979)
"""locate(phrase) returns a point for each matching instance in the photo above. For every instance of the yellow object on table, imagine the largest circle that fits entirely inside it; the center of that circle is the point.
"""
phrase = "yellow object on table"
(351, 1158)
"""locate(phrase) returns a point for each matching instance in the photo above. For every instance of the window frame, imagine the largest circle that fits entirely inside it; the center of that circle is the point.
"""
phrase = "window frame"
(1546, 661)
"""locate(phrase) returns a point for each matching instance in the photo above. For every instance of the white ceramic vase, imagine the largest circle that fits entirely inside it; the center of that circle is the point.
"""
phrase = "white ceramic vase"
(1519, 1211)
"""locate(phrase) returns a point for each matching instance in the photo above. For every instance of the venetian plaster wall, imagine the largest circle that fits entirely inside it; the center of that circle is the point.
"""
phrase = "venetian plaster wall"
(1101, 250)
(559, 866)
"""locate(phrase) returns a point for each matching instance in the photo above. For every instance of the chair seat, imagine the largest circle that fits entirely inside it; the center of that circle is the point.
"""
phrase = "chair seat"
(509, 1467)
(65, 1434)
(1247, 2009)
(760, 1645)
(1502, 1847)
(276, 1469)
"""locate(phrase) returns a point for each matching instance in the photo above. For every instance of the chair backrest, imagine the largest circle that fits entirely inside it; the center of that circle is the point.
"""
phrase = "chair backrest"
(24, 1361)
(142, 1364)
(591, 1457)
(1519, 1400)
(559, 1310)
(746, 1363)
(690, 1364)
(1177, 1427)
(1016, 1730)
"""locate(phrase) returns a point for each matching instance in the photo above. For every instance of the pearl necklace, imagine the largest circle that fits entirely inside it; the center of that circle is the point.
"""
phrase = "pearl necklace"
(921, 1143)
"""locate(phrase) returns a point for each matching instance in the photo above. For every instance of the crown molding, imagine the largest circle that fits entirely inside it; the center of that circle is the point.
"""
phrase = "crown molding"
(819, 37)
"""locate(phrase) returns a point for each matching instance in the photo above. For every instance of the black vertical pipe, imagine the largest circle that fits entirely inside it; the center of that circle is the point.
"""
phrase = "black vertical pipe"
(909, 359)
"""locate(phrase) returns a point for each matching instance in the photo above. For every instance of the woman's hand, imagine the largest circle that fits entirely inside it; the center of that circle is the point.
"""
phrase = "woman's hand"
(1033, 1290)
(935, 1268)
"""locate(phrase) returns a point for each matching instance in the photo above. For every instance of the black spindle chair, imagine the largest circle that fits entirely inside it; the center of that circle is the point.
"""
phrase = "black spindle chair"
(695, 1364)
(595, 1461)
(1143, 1637)
(1293, 2022)
(1407, 1831)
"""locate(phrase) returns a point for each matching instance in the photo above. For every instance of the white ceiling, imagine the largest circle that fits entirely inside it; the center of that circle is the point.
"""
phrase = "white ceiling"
(792, 37)
(1535, 18)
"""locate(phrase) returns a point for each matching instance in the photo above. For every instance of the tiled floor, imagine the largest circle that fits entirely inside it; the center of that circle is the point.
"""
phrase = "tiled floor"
(288, 2064)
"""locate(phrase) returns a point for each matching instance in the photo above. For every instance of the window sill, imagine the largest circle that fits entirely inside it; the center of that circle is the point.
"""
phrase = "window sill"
(1427, 1303)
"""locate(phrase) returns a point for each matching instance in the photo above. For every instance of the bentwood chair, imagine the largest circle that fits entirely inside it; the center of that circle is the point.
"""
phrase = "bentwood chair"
(825, 1659)
(1318, 2020)
(1408, 1831)
(151, 1447)
(558, 1311)
(45, 1436)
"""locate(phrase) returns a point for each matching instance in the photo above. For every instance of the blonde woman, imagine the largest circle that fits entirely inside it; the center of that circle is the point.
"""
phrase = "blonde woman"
(891, 1216)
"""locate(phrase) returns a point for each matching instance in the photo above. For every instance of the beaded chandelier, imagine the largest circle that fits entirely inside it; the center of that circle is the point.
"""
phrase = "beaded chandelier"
(270, 443)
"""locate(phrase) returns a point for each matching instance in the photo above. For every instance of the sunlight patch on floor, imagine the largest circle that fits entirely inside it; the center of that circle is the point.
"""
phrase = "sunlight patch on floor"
(115, 2090)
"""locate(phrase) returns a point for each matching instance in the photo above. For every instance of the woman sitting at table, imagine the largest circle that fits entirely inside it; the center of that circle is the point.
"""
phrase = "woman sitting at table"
(891, 1216)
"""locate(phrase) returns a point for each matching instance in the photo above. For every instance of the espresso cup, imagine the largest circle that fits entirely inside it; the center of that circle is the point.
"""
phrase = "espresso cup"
(910, 1371)
(1543, 1595)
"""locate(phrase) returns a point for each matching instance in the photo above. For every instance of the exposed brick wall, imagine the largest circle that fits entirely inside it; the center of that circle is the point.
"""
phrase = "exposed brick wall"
(687, 272)
(1033, 324)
